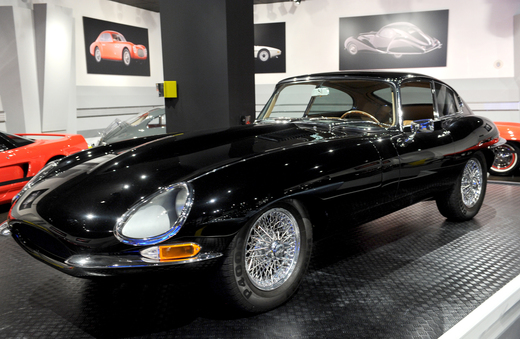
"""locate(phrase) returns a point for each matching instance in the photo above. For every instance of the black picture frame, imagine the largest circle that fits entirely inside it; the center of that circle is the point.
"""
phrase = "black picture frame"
(434, 24)
(271, 35)
(92, 28)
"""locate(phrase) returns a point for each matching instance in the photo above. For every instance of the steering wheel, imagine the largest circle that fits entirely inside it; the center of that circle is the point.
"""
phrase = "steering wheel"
(360, 113)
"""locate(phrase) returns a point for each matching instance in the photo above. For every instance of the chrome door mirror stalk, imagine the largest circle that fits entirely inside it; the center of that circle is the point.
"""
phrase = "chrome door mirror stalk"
(423, 125)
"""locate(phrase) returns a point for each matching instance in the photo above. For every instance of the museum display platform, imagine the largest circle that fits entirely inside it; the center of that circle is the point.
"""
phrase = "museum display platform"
(411, 274)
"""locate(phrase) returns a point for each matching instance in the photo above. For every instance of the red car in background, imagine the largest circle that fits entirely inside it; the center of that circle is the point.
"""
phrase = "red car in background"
(112, 45)
(23, 155)
(506, 156)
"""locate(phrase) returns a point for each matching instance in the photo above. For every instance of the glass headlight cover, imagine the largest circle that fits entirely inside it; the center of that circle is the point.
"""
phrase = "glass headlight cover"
(40, 176)
(156, 218)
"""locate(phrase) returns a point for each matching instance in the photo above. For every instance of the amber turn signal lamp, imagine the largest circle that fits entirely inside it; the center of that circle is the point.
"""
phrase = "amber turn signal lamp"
(178, 251)
(171, 252)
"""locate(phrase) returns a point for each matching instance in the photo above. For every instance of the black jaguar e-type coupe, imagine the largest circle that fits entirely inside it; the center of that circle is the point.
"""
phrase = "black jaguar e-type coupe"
(327, 151)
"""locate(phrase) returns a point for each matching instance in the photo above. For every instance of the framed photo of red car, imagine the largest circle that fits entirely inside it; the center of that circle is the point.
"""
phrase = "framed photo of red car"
(112, 48)
(401, 40)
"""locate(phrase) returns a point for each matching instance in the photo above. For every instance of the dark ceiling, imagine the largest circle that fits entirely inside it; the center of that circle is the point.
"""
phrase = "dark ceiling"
(153, 5)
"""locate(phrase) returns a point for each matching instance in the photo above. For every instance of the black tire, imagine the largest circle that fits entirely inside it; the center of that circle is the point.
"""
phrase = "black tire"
(127, 58)
(97, 54)
(264, 55)
(253, 289)
(463, 201)
(506, 159)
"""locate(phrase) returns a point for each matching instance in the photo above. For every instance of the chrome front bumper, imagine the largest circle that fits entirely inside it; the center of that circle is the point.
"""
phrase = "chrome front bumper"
(95, 262)
(4, 229)
(97, 265)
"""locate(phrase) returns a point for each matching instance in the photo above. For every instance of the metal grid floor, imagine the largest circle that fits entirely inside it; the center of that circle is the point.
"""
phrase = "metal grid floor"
(411, 274)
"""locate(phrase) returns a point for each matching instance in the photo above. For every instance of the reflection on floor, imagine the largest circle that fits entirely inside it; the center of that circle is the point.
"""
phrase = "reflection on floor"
(411, 274)
(511, 179)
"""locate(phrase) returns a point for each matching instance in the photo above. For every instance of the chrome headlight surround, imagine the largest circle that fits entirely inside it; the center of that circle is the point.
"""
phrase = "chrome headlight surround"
(39, 177)
(157, 217)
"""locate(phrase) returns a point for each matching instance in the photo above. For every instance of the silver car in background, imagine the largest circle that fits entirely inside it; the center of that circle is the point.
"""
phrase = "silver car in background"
(149, 123)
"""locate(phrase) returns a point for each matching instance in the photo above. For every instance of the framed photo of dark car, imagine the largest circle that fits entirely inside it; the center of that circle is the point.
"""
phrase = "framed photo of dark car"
(112, 48)
(402, 40)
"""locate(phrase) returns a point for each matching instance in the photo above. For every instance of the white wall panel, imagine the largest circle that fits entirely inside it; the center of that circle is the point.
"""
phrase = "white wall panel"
(480, 33)
(119, 13)
(54, 27)
(18, 85)
(481, 43)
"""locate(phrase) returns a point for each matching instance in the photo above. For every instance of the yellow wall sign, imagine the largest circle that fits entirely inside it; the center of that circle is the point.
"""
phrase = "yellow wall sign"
(170, 89)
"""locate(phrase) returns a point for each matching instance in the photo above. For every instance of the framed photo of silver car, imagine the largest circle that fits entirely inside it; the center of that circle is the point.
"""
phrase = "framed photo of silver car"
(402, 40)
(269, 49)
(112, 48)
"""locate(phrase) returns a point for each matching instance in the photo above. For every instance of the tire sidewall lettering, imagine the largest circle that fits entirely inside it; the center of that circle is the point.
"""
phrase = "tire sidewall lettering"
(254, 299)
(239, 272)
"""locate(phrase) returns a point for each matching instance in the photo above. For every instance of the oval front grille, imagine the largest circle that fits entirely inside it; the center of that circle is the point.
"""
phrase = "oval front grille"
(40, 241)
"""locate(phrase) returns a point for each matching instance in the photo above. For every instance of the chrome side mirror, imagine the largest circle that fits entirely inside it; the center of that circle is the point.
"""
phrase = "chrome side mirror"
(423, 125)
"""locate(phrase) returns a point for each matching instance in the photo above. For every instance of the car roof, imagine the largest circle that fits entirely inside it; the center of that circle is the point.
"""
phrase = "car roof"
(111, 32)
(397, 24)
(389, 75)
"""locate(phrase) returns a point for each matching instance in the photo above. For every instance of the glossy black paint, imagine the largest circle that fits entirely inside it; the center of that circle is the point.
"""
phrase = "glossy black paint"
(338, 173)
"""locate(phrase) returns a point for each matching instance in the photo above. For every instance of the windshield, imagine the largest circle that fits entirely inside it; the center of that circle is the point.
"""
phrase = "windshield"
(349, 100)
(17, 140)
(152, 122)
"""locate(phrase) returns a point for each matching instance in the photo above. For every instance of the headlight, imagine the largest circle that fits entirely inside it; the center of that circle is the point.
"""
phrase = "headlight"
(157, 217)
(39, 177)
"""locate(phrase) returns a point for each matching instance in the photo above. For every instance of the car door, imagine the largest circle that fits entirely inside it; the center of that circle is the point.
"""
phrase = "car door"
(116, 47)
(13, 166)
(104, 45)
(424, 146)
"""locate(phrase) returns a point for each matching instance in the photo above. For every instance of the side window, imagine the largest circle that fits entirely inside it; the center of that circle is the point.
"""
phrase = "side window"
(105, 37)
(446, 103)
(387, 33)
(416, 101)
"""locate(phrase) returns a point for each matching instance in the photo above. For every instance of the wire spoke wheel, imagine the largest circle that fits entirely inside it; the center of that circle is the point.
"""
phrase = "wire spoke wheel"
(463, 200)
(272, 249)
(267, 259)
(471, 185)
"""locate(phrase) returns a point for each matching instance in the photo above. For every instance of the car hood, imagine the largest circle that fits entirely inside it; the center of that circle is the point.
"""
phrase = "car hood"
(101, 184)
